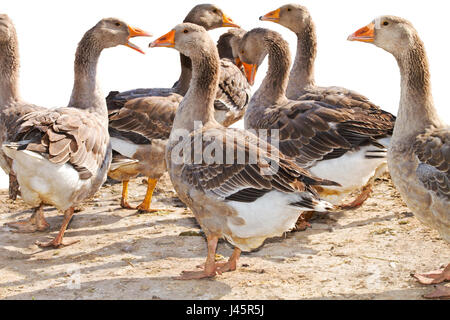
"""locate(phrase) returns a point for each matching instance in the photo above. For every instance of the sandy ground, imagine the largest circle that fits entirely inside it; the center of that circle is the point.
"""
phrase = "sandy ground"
(367, 253)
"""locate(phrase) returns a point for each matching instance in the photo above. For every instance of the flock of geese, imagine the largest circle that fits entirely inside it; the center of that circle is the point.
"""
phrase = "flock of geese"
(331, 141)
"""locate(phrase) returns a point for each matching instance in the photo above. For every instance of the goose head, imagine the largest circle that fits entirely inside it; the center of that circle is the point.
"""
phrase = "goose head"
(112, 32)
(390, 33)
(228, 45)
(7, 30)
(252, 51)
(210, 17)
(292, 16)
(188, 38)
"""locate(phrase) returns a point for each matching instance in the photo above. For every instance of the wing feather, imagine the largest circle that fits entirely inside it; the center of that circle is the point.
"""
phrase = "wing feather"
(65, 135)
(247, 181)
(432, 149)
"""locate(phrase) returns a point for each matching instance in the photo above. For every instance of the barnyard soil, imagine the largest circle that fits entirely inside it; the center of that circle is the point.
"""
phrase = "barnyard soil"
(367, 253)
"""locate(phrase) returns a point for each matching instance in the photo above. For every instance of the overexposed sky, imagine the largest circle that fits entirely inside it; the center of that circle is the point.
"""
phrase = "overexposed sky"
(50, 30)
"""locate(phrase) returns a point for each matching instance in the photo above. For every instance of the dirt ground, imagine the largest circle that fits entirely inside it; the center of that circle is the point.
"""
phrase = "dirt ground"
(368, 253)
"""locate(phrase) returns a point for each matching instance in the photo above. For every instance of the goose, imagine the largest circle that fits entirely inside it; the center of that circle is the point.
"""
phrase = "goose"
(335, 142)
(297, 18)
(61, 156)
(228, 47)
(230, 98)
(419, 154)
(145, 116)
(233, 192)
(302, 86)
(12, 106)
(139, 133)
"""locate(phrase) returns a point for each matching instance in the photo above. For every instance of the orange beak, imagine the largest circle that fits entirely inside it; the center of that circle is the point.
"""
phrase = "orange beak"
(228, 22)
(250, 72)
(136, 32)
(167, 40)
(238, 62)
(365, 34)
(273, 16)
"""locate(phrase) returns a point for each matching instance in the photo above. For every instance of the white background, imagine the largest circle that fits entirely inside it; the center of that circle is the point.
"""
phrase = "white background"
(49, 31)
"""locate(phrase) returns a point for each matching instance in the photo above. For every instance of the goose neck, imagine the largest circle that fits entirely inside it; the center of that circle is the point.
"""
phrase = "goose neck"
(198, 103)
(184, 80)
(86, 93)
(273, 88)
(302, 73)
(9, 73)
(416, 111)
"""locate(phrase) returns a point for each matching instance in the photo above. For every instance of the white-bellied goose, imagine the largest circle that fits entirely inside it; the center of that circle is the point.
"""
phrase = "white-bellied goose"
(302, 86)
(238, 186)
(419, 154)
(61, 156)
(146, 115)
(12, 106)
(335, 142)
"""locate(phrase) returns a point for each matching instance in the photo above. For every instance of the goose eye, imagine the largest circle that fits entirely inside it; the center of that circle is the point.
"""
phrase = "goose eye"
(215, 10)
(185, 31)
(385, 23)
(289, 9)
(118, 24)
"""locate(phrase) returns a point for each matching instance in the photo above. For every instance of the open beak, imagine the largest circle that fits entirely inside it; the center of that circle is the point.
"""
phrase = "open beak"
(365, 34)
(228, 22)
(250, 72)
(136, 32)
(273, 16)
(167, 40)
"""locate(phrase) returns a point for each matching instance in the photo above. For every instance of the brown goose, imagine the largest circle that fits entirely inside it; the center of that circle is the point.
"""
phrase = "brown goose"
(12, 106)
(301, 79)
(419, 154)
(228, 44)
(140, 120)
(249, 198)
(228, 47)
(231, 98)
(335, 142)
(61, 156)
(141, 149)
(302, 86)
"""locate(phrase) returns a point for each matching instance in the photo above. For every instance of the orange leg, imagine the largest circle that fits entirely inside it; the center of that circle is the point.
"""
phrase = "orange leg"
(35, 223)
(124, 201)
(436, 277)
(231, 264)
(145, 205)
(209, 270)
(360, 199)
(57, 242)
